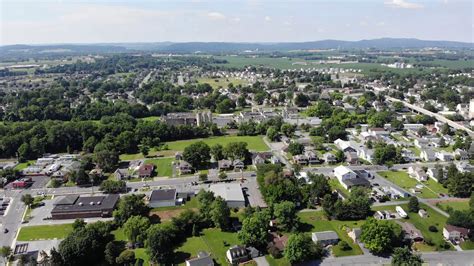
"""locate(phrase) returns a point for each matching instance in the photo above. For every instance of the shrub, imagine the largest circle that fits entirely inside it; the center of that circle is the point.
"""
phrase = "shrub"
(433, 228)
(344, 246)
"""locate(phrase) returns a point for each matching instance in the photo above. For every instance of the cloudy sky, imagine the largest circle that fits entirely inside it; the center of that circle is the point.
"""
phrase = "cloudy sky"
(89, 21)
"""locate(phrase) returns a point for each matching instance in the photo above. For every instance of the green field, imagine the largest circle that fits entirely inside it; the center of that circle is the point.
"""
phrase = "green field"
(163, 166)
(403, 180)
(467, 245)
(255, 143)
(22, 166)
(456, 205)
(213, 240)
(222, 82)
(317, 222)
(43, 232)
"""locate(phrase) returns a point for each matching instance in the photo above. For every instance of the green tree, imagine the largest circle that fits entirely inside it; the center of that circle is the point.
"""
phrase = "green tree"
(5, 253)
(236, 150)
(27, 199)
(78, 224)
(340, 156)
(272, 133)
(220, 213)
(254, 230)
(113, 186)
(144, 149)
(404, 257)
(285, 214)
(301, 100)
(380, 236)
(130, 205)
(135, 228)
(126, 258)
(288, 130)
(205, 199)
(295, 148)
(217, 152)
(161, 242)
(197, 154)
(413, 205)
(225, 106)
(113, 250)
(301, 248)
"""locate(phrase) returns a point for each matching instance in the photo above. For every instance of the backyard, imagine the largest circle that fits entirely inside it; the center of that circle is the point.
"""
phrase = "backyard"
(455, 205)
(316, 221)
(44, 232)
(163, 166)
(431, 189)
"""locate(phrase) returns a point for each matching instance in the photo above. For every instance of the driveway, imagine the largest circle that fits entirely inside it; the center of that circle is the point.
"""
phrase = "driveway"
(261, 261)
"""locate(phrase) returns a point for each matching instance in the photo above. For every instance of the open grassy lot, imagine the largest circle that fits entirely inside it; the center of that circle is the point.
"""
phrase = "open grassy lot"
(211, 240)
(43, 232)
(403, 180)
(334, 183)
(435, 219)
(255, 143)
(277, 262)
(222, 82)
(456, 205)
(467, 245)
(316, 222)
(22, 166)
(163, 166)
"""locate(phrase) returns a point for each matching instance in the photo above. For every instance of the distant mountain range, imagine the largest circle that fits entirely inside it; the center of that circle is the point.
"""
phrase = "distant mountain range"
(222, 47)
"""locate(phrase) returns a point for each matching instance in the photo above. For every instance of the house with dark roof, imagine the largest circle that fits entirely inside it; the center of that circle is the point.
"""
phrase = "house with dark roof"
(162, 198)
(146, 170)
(203, 259)
(455, 233)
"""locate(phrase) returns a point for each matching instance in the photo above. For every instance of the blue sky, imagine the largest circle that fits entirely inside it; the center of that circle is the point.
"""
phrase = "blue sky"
(69, 21)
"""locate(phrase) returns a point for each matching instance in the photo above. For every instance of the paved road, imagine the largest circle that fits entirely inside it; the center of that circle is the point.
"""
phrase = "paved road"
(435, 115)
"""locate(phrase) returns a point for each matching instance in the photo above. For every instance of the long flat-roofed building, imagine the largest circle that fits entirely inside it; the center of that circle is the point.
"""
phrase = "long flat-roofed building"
(75, 206)
(231, 192)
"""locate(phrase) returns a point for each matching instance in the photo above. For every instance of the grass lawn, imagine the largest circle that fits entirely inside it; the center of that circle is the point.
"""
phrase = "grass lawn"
(22, 166)
(43, 232)
(416, 151)
(150, 118)
(434, 218)
(222, 82)
(317, 222)
(334, 183)
(192, 204)
(140, 253)
(255, 143)
(212, 240)
(456, 205)
(163, 166)
(467, 245)
(403, 180)
(119, 234)
(277, 262)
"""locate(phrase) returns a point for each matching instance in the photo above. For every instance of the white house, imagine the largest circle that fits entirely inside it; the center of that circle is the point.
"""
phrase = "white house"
(433, 173)
(343, 173)
(417, 173)
(421, 143)
(444, 156)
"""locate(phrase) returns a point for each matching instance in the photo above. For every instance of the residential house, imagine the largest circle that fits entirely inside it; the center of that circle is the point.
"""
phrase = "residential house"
(261, 157)
(434, 174)
(455, 233)
(378, 132)
(185, 167)
(312, 157)
(162, 198)
(329, 158)
(145, 170)
(122, 174)
(224, 164)
(366, 154)
(325, 238)
(278, 242)
(352, 158)
(464, 167)
(444, 156)
(344, 146)
(427, 155)
(421, 143)
(411, 232)
(460, 154)
(238, 164)
(203, 259)
(300, 159)
(418, 173)
(343, 172)
(401, 211)
(237, 254)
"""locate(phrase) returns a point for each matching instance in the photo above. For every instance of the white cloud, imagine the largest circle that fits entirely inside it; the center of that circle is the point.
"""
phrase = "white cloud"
(216, 15)
(403, 4)
(268, 19)
(381, 23)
